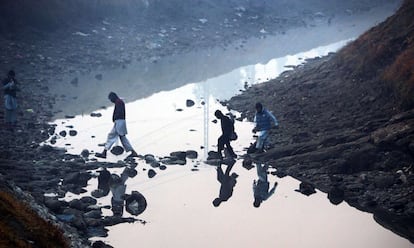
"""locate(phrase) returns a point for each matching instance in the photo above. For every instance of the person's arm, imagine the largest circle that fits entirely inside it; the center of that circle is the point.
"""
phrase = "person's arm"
(8, 85)
(255, 124)
(271, 192)
(272, 117)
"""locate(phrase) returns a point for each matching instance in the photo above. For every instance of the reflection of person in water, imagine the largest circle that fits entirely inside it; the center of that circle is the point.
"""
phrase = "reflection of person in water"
(227, 182)
(103, 181)
(118, 187)
(261, 186)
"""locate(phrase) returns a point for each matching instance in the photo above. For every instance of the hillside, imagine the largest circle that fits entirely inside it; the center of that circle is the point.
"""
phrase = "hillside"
(347, 122)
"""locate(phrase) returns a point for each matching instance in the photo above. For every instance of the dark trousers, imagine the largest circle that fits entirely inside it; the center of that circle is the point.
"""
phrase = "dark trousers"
(225, 140)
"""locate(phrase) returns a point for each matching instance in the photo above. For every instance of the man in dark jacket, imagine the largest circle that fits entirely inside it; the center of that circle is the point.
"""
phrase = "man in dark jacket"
(119, 129)
(227, 128)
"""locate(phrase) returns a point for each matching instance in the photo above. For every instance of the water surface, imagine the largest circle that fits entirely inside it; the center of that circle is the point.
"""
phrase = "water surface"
(180, 212)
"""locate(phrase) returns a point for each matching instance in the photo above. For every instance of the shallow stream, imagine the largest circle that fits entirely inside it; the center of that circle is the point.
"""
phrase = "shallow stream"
(180, 212)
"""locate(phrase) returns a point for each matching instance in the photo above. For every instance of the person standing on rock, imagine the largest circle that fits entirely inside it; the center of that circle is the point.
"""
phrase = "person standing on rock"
(10, 101)
(263, 120)
(261, 186)
(227, 128)
(119, 129)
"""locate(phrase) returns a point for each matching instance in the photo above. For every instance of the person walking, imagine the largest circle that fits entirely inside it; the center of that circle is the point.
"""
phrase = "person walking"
(10, 99)
(263, 120)
(227, 128)
(119, 129)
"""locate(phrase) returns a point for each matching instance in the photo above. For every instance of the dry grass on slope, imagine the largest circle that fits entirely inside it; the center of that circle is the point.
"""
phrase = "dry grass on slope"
(386, 53)
(22, 227)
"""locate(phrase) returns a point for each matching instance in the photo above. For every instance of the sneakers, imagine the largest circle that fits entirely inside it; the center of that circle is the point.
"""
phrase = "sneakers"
(133, 154)
(101, 155)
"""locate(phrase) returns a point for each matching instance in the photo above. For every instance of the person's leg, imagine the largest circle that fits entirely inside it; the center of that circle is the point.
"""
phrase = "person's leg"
(121, 130)
(261, 172)
(229, 148)
(127, 146)
(261, 139)
(220, 145)
(13, 117)
(125, 143)
(110, 140)
(6, 116)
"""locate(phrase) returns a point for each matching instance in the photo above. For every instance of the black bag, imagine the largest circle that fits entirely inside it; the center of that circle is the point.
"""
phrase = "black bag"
(233, 136)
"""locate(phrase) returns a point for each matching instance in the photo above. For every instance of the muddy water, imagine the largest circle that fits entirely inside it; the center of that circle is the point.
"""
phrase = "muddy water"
(180, 212)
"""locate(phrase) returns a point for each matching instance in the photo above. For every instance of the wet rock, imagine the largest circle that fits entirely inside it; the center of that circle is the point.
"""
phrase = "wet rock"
(63, 133)
(96, 115)
(85, 153)
(130, 172)
(336, 195)
(135, 203)
(97, 231)
(88, 200)
(77, 178)
(151, 173)
(306, 188)
(384, 181)
(93, 222)
(77, 204)
(178, 155)
(66, 217)
(54, 204)
(99, 76)
(173, 161)
(74, 81)
(213, 155)
(149, 158)
(73, 132)
(98, 193)
(100, 244)
(94, 214)
(155, 164)
(117, 150)
(189, 103)
(247, 163)
(163, 167)
(191, 154)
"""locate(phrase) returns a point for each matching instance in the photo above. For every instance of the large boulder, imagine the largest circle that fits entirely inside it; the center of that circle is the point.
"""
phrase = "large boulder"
(135, 203)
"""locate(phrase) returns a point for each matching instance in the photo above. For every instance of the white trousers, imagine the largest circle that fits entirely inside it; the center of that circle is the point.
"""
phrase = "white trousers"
(118, 130)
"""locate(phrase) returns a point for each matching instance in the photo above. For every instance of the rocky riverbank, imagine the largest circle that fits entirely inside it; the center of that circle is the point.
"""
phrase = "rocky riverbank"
(347, 131)
(43, 59)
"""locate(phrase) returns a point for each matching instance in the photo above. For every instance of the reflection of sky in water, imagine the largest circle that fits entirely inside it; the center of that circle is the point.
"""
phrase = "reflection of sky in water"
(180, 211)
